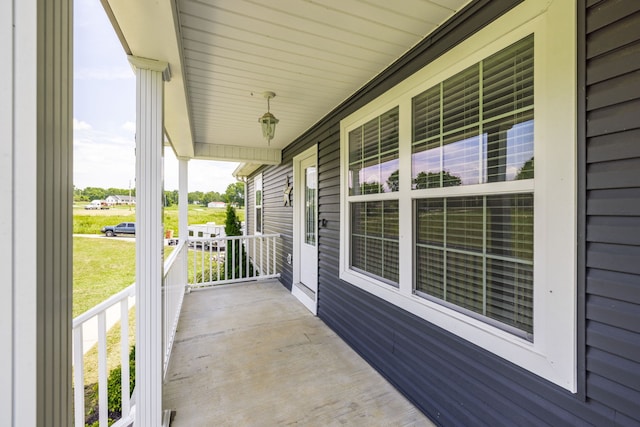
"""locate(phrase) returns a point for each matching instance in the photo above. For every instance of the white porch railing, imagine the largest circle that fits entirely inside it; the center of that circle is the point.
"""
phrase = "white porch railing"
(253, 258)
(175, 283)
(99, 312)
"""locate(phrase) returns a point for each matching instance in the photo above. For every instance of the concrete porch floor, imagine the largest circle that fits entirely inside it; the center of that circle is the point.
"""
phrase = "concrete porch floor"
(252, 355)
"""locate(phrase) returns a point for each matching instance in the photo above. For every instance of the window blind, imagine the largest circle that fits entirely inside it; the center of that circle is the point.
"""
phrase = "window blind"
(477, 253)
(477, 126)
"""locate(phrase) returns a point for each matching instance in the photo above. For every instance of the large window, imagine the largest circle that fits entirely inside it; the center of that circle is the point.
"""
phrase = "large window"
(476, 253)
(374, 169)
(444, 212)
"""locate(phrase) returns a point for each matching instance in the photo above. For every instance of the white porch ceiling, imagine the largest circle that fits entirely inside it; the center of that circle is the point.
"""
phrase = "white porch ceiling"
(224, 54)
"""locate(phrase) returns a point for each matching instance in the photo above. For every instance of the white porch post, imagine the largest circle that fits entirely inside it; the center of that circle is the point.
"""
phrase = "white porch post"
(149, 238)
(183, 198)
(36, 171)
(183, 210)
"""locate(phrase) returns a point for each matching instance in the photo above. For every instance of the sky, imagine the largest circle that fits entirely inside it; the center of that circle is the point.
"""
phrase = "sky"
(105, 113)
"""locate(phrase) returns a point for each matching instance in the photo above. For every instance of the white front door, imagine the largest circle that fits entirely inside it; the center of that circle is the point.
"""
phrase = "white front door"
(305, 234)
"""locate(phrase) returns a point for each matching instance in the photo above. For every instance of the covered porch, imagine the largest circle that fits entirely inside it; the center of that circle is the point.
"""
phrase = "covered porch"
(252, 354)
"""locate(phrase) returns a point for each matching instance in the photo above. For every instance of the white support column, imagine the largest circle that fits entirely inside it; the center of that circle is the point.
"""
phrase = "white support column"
(183, 210)
(149, 238)
(36, 189)
(183, 198)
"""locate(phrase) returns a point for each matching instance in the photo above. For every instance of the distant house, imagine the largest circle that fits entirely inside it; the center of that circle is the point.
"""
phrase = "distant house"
(216, 205)
(121, 200)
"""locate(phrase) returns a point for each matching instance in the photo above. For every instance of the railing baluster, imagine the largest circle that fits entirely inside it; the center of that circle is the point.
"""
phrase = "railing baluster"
(233, 259)
(273, 270)
(261, 252)
(78, 375)
(268, 261)
(102, 368)
(245, 250)
(124, 354)
(218, 261)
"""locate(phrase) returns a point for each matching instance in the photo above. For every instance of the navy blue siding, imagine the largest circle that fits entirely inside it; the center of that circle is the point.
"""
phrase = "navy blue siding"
(449, 379)
(612, 73)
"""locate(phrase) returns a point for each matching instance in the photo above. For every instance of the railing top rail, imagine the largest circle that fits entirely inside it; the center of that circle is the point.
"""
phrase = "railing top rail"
(173, 256)
(213, 239)
(95, 310)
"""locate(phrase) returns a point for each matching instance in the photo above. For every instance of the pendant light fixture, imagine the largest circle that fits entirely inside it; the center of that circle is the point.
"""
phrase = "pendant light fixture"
(268, 120)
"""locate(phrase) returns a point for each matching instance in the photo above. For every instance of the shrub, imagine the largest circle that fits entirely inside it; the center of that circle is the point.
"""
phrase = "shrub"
(114, 391)
(236, 255)
(206, 275)
(114, 383)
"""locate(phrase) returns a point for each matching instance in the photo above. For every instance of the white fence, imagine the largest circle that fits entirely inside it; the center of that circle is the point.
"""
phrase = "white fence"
(99, 313)
(252, 258)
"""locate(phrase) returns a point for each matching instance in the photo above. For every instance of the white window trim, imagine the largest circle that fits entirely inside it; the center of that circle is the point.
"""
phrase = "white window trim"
(552, 354)
(257, 185)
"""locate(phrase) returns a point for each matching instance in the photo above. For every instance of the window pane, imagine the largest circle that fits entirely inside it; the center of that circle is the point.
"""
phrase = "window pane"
(355, 145)
(461, 158)
(425, 165)
(510, 226)
(371, 138)
(507, 83)
(259, 220)
(461, 99)
(373, 219)
(430, 271)
(465, 223)
(354, 179)
(426, 114)
(446, 148)
(390, 264)
(389, 132)
(510, 293)
(430, 222)
(390, 173)
(464, 281)
(508, 148)
(477, 253)
(310, 206)
(374, 238)
(373, 156)
(370, 177)
(391, 214)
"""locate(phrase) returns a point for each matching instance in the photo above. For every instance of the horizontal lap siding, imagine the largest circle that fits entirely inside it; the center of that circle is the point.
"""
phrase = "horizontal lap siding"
(451, 380)
(278, 218)
(613, 207)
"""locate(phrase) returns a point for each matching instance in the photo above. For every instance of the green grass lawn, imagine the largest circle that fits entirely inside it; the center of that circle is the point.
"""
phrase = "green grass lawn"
(101, 268)
(91, 222)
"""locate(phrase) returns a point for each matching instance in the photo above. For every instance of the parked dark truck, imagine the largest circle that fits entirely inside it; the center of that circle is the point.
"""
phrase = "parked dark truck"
(122, 228)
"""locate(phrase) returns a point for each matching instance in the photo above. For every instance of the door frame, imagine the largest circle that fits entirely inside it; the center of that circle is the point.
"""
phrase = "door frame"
(299, 197)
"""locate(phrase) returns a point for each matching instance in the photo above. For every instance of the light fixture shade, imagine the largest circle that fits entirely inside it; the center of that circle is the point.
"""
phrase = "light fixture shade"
(268, 122)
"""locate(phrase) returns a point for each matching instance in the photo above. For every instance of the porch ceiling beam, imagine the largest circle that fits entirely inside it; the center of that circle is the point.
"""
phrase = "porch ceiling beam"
(234, 153)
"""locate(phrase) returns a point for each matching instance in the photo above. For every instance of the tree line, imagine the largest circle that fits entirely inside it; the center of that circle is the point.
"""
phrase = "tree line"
(234, 194)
